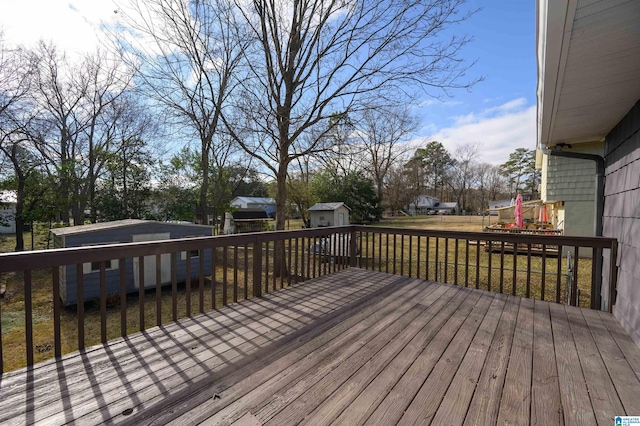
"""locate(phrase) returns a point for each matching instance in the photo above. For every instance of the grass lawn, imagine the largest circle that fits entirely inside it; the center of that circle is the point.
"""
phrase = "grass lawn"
(450, 223)
(478, 269)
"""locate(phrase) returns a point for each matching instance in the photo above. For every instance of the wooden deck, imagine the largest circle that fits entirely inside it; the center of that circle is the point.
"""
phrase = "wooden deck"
(354, 347)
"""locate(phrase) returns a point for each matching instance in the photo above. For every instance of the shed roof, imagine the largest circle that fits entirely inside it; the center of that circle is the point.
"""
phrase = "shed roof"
(255, 200)
(323, 207)
(100, 226)
(8, 197)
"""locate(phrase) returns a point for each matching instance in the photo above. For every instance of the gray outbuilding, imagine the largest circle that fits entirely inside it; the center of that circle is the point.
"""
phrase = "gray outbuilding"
(126, 231)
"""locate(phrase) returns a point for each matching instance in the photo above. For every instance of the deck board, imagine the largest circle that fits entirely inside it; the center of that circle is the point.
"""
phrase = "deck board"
(246, 394)
(602, 393)
(546, 408)
(391, 409)
(453, 408)
(516, 392)
(573, 389)
(485, 402)
(626, 383)
(353, 347)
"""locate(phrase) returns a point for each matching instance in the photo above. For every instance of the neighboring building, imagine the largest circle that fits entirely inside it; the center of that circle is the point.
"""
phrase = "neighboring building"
(446, 208)
(8, 200)
(498, 204)
(246, 220)
(260, 203)
(589, 100)
(199, 217)
(423, 204)
(125, 231)
(329, 214)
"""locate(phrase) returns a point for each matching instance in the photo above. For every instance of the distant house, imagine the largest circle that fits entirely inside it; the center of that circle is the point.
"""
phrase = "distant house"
(329, 214)
(446, 208)
(8, 200)
(423, 204)
(261, 203)
(125, 231)
(497, 204)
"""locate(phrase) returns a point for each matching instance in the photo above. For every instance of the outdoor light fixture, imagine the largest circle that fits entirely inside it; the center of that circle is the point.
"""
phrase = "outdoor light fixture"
(560, 146)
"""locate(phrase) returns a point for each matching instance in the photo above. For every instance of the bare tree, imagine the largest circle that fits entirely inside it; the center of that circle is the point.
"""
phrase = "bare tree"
(399, 190)
(381, 132)
(186, 54)
(337, 148)
(17, 128)
(490, 183)
(73, 98)
(463, 173)
(313, 59)
(496, 182)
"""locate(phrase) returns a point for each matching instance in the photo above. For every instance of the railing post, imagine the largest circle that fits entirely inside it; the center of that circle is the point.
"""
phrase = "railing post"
(257, 269)
(353, 248)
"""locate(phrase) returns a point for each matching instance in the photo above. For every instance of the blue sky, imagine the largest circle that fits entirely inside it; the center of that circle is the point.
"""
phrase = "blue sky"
(498, 113)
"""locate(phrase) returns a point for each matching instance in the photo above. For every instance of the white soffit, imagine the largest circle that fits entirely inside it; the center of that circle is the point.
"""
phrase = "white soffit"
(588, 67)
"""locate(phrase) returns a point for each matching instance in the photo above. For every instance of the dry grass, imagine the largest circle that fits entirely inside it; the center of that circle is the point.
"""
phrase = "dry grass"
(450, 223)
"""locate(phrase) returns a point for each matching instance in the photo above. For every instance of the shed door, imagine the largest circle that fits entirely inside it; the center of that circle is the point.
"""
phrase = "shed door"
(340, 219)
(150, 262)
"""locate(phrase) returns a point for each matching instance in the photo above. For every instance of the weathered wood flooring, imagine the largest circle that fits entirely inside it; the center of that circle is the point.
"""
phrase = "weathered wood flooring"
(354, 347)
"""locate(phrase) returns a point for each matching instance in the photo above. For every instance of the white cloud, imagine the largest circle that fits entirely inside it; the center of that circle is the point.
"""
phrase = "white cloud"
(74, 26)
(509, 106)
(498, 131)
(428, 102)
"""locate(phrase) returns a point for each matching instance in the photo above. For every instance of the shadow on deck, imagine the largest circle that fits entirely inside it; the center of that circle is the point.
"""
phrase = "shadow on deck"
(354, 347)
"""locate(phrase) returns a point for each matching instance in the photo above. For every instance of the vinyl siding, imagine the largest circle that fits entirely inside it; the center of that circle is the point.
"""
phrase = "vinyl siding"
(572, 179)
(622, 216)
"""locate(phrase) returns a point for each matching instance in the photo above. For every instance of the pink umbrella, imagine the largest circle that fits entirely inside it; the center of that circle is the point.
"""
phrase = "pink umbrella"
(543, 216)
(518, 212)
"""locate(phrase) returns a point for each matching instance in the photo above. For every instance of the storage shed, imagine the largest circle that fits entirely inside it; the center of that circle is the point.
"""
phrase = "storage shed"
(126, 231)
(8, 200)
(329, 214)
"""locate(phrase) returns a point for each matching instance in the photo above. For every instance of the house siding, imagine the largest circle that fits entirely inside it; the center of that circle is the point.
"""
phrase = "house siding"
(622, 216)
(572, 180)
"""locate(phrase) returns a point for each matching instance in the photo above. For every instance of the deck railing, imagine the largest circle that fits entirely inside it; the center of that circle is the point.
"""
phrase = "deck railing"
(554, 268)
(225, 269)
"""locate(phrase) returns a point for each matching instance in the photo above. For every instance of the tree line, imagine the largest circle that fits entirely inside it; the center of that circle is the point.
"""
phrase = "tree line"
(193, 102)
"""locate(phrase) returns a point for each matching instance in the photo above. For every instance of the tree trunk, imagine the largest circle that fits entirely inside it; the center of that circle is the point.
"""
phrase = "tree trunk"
(204, 188)
(280, 268)
(19, 219)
